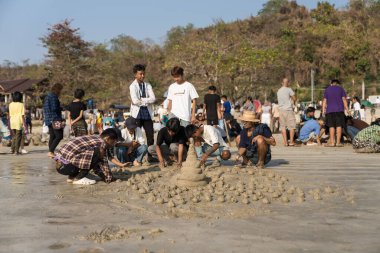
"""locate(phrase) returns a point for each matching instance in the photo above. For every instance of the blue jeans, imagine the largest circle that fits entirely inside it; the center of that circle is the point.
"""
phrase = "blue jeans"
(138, 154)
(203, 149)
(221, 123)
(352, 132)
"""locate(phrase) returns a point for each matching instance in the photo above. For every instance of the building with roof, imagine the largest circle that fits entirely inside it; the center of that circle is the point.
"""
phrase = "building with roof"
(28, 87)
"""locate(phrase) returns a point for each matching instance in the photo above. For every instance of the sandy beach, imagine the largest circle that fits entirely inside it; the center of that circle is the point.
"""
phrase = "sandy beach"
(144, 212)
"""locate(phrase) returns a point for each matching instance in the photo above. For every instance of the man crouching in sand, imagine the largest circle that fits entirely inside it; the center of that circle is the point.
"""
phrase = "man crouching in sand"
(82, 154)
(255, 141)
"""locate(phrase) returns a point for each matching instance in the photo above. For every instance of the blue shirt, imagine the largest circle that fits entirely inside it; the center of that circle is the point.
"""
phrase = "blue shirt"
(108, 122)
(227, 107)
(261, 129)
(309, 127)
(52, 109)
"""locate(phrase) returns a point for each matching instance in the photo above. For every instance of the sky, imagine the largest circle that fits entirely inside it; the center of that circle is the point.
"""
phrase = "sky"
(23, 22)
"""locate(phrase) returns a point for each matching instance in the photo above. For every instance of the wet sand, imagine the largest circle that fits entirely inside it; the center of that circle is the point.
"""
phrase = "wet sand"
(40, 212)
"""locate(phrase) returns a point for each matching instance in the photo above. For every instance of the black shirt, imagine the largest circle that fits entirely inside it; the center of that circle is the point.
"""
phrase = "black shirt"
(75, 108)
(164, 137)
(211, 101)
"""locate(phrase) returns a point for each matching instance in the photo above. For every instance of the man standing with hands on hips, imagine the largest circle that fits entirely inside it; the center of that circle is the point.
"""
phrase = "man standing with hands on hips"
(142, 97)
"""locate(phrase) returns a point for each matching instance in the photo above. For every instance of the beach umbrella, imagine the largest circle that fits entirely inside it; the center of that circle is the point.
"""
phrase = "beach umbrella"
(366, 103)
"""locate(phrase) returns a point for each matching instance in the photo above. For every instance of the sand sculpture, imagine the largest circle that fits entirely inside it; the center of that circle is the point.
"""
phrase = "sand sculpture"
(189, 175)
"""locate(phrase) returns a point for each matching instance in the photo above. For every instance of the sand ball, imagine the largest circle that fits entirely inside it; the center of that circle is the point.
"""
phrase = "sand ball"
(245, 201)
(171, 204)
(159, 201)
(265, 201)
(285, 199)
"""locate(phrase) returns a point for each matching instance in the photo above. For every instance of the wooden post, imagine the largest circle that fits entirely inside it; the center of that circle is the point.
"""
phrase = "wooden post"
(363, 90)
(228, 136)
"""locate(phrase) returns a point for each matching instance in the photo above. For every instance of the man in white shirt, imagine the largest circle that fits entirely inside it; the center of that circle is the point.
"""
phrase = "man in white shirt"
(133, 148)
(143, 98)
(208, 141)
(182, 98)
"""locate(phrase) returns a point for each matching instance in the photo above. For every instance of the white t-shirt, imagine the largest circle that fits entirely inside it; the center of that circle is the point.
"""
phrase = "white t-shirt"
(357, 106)
(181, 96)
(138, 136)
(211, 135)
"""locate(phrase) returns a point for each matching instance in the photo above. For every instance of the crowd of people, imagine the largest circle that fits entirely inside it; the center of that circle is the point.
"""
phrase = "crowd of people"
(129, 140)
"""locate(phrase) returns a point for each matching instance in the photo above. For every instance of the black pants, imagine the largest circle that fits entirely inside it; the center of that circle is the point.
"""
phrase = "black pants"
(56, 135)
(149, 131)
(74, 172)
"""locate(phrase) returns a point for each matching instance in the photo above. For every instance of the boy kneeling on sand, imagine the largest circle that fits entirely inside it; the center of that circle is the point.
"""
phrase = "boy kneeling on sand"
(208, 141)
(82, 154)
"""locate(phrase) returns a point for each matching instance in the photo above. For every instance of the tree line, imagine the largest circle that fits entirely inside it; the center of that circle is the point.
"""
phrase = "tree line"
(244, 57)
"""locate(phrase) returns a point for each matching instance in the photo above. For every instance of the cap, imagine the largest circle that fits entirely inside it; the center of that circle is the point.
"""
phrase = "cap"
(130, 123)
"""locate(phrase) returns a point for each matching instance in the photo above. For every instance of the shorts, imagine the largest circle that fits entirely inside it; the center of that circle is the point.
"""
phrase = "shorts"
(312, 135)
(336, 119)
(253, 155)
(287, 120)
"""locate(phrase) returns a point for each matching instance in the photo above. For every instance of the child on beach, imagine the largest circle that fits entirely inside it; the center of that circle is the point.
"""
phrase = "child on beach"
(16, 121)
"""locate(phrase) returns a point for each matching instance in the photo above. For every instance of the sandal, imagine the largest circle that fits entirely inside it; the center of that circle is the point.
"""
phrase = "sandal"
(259, 166)
(240, 166)
(329, 145)
(339, 145)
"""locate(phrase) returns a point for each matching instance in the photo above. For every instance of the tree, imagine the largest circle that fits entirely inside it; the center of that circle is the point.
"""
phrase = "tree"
(272, 7)
(325, 13)
(68, 58)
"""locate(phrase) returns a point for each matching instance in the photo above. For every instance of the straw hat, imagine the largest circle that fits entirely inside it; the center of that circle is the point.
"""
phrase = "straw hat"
(249, 116)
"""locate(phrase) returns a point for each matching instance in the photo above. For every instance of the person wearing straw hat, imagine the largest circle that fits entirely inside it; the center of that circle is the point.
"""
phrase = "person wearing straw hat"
(255, 141)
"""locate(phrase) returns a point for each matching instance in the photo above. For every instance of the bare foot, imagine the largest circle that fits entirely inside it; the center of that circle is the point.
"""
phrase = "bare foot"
(51, 155)
(136, 163)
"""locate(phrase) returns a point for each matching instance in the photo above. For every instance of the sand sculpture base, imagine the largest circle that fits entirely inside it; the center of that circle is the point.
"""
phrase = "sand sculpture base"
(189, 175)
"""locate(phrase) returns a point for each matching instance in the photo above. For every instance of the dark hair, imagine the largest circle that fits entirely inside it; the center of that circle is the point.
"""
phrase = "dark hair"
(91, 111)
(199, 117)
(110, 133)
(249, 98)
(335, 81)
(190, 130)
(17, 96)
(224, 96)
(56, 88)
(310, 109)
(376, 122)
(212, 87)
(173, 124)
(177, 71)
(78, 93)
(138, 67)
(357, 99)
